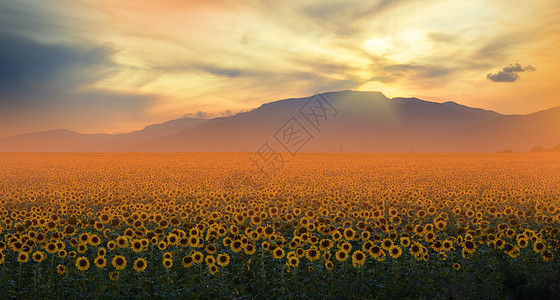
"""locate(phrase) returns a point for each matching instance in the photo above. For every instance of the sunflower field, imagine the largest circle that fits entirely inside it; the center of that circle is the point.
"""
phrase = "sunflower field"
(203, 225)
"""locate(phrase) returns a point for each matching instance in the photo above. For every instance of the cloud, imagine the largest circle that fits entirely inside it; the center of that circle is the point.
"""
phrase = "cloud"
(199, 115)
(30, 70)
(226, 113)
(346, 17)
(509, 73)
(54, 85)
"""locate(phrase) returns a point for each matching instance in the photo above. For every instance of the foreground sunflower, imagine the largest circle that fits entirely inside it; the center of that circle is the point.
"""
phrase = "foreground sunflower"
(167, 263)
(188, 261)
(278, 253)
(223, 259)
(114, 276)
(312, 254)
(140, 264)
(100, 262)
(82, 263)
(358, 258)
(119, 262)
(395, 251)
(23, 257)
(197, 257)
(456, 266)
(341, 255)
(60, 269)
(212, 269)
(39, 256)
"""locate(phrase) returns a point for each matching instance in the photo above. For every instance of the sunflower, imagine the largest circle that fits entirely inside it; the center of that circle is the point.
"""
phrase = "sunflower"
(326, 244)
(122, 242)
(223, 259)
(197, 257)
(416, 249)
(172, 239)
(23, 257)
(456, 266)
(358, 258)
(341, 255)
(336, 236)
(39, 256)
(547, 255)
(405, 241)
(293, 261)
(82, 248)
(419, 230)
(167, 263)
(188, 261)
(140, 264)
(210, 260)
(212, 269)
(499, 243)
(513, 252)
(387, 244)
(137, 246)
(60, 269)
(349, 234)
(441, 256)
(83, 238)
(538, 246)
(119, 262)
(469, 247)
(100, 262)
(111, 245)
(210, 249)
(236, 246)
(366, 247)
(167, 255)
(278, 253)
(250, 249)
(395, 251)
(82, 263)
(101, 251)
(94, 240)
(114, 276)
(312, 254)
(51, 248)
(345, 246)
(329, 265)
(376, 251)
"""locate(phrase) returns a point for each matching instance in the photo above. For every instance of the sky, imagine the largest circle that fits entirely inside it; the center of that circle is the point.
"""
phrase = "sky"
(116, 66)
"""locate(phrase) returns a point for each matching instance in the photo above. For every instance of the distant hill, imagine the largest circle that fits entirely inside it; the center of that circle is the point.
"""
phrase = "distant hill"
(364, 122)
(61, 140)
(518, 132)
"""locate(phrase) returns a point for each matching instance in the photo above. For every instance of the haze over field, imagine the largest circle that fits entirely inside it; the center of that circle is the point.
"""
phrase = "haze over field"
(114, 67)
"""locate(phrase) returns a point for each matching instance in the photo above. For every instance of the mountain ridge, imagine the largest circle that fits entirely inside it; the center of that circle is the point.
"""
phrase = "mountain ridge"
(365, 122)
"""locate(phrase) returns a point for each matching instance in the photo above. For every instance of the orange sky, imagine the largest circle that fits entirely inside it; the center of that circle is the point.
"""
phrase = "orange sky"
(115, 66)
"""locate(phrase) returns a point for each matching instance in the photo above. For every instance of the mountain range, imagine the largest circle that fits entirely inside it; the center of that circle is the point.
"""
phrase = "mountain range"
(343, 121)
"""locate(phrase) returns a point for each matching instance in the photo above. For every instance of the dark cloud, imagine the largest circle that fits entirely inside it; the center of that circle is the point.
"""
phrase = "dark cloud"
(30, 70)
(509, 73)
(345, 17)
(220, 71)
(393, 72)
(201, 67)
(50, 84)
